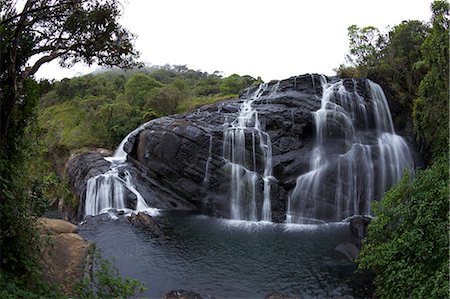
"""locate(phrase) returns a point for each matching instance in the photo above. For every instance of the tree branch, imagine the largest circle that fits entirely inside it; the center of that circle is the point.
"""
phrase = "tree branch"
(33, 69)
(25, 12)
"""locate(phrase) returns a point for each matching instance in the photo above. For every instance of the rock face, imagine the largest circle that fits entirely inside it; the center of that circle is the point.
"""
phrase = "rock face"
(183, 161)
(79, 169)
(64, 252)
(185, 152)
(146, 222)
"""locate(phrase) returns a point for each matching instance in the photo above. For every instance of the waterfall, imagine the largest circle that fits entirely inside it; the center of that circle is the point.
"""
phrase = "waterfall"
(208, 161)
(357, 156)
(242, 136)
(109, 190)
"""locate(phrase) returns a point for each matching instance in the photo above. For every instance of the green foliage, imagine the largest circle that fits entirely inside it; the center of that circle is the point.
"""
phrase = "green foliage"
(430, 112)
(102, 280)
(407, 242)
(90, 122)
(69, 31)
(196, 102)
(365, 44)
(12, 287)
(18, 201)
(22, 198)
(165, 99)
(99, 110)
(411, 63)
(390, 59)
(138, 88)
(235, 83)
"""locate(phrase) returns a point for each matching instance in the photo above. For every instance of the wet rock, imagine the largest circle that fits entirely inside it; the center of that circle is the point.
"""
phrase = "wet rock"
(358, 226)
(276, 295)
(146, 222)
(362, 283)
(348, 249)
(79, 169)
(182, 294)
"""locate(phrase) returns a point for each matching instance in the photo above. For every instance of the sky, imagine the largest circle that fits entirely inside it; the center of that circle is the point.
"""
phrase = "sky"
(273, 39)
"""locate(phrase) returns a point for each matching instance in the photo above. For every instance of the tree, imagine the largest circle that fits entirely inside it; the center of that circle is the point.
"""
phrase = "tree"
(365, 44)
(138, 88)
(400, 60)
(234, 84)
(430, 113)
(165, 99)
(68, 30)
(407, 241)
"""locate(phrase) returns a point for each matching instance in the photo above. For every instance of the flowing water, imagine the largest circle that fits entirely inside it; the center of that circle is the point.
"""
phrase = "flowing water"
(242, 135)
(108, 190)
(356, 159)
(228, 258)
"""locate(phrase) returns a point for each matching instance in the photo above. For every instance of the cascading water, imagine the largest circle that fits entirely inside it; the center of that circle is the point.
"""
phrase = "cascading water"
(208, 161)
(357, 156)
(108, 190)
(243, 135)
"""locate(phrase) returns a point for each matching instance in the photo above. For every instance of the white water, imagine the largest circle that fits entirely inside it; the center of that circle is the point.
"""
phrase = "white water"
(248, 173)
(208, 161)
(365, 160)
(108, 190)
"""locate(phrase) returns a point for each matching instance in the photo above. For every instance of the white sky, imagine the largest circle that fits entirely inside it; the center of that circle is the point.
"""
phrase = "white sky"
(267, 38)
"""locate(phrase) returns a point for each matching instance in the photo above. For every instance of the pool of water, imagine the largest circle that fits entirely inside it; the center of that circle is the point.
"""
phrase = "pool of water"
(220, 258)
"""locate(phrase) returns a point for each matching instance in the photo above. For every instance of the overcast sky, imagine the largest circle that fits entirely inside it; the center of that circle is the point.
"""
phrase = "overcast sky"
(267, 38)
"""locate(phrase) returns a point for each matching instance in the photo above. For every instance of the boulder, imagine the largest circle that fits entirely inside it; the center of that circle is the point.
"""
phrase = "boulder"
(348, 249)
(63, 253)
(358, 226)
(182, 294)
(49, 226)
(146, 222)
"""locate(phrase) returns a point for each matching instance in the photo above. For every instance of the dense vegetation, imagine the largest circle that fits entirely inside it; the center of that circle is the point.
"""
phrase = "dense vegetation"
(99, 110)
(51, 29)
(42, 123)
(407, 242)
(411, 63)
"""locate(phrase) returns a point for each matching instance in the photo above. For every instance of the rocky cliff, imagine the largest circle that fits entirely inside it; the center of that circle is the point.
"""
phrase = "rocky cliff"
(183, 161)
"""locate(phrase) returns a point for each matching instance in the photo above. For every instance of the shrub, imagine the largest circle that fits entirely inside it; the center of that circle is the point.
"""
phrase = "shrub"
(102, 280)
(407, 242)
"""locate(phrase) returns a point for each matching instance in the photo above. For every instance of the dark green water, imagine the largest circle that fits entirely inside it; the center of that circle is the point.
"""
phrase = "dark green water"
(228, 259)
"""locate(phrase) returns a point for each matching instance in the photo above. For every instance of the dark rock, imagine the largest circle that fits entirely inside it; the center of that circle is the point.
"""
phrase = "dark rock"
(348, 249)
(362, 283)
(79, 169)
(168, 156)
(182, 294)
(174, 150)
(131, 200)
(146, 222)
(358, 226)
(276, 295)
